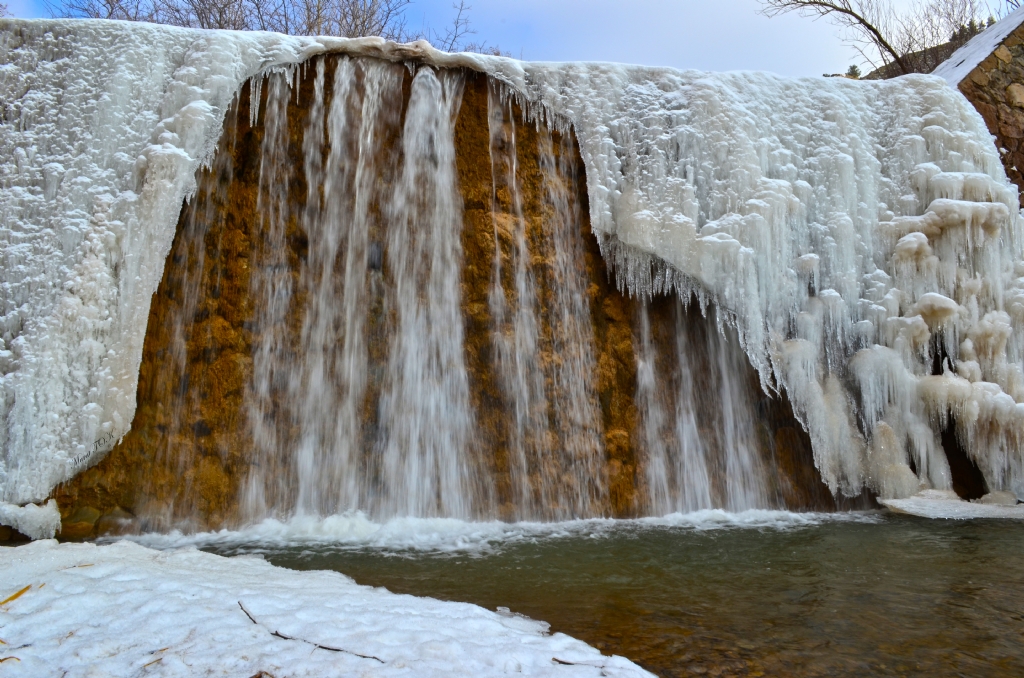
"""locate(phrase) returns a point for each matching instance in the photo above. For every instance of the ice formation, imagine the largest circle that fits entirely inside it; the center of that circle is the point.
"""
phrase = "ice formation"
(861, 237)
(104, 125)
(124, 610)
(945, 504)
(360, 398)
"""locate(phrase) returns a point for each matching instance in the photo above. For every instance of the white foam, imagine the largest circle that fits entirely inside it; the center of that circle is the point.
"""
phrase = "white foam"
(444, 535)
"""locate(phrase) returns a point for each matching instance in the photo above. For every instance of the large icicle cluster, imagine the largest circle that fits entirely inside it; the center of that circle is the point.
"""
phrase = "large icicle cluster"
(862, 236)
(858, 234)
(104, 126)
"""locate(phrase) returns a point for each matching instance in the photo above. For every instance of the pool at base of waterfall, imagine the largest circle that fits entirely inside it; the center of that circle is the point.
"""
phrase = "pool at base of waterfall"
(750, 594)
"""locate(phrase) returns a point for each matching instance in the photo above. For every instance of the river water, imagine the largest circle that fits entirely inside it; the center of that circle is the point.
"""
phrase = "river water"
(861, 594)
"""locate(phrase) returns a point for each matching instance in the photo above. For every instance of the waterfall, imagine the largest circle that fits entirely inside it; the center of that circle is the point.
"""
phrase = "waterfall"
(388, 288)
(370, 319)
(360, 387)
(677, 466)
(577, 415)
(424, 466)
(272, 285)
(555, 469)
(513, 298)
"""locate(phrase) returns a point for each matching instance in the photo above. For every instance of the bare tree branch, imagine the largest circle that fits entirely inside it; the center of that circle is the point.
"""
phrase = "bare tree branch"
(914, 40)
(125, 10)
(867, 17)
(344, 18)
(452, 40)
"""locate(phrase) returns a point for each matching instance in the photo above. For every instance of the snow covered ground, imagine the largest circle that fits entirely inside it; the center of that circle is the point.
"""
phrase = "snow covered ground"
(125, 610)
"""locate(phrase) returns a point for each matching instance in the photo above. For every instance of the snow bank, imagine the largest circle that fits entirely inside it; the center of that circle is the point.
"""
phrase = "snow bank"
(116, 610)
(939, 504)
(960, 64)
(854, 232)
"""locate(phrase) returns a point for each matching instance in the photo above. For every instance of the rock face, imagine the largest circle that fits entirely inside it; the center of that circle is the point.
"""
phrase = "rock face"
(208, 448)
(996, 88)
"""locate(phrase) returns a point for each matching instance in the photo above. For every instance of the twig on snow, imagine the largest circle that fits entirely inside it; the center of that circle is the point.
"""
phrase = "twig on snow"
(565, 663)
(278, 634)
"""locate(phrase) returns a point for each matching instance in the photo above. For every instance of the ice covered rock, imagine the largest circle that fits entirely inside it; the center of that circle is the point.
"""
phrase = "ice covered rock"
(853, 232)
(33, 521)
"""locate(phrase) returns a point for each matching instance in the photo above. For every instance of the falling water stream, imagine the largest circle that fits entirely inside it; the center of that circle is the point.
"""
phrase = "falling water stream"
(360, 395)
(309, 394)
(574, 452)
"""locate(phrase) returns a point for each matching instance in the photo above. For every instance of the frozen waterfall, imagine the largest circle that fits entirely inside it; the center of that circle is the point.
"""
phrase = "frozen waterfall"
(857, 242)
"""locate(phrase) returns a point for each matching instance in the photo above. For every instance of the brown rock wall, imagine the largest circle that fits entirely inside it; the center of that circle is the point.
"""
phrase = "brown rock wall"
(996, 88)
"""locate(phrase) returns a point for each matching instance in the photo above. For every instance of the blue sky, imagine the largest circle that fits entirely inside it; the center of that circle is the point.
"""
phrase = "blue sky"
(716, 35)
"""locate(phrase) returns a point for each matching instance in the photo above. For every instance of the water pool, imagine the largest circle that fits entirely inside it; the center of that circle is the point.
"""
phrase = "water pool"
(870, 594)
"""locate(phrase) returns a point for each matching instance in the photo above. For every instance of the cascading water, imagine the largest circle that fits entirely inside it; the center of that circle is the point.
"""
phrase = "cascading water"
(686, 484)
(555, 429)
(381, 266)
(427, 421)
(361, 389)
(273, 286)
(701, 452)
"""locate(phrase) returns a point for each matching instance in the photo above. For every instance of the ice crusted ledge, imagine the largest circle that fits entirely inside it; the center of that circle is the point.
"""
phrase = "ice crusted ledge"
(960, 64)
(862, 236)
(857, 233)
(123, 608)
(946, 505)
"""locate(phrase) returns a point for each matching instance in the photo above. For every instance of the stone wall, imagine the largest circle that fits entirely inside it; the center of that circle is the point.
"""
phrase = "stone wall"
(996, 88)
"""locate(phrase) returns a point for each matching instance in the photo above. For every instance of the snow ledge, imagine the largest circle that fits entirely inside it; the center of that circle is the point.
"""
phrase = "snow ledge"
(122, 608)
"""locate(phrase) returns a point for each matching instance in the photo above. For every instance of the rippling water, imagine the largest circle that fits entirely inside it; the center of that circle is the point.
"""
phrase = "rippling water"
(764, 594)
